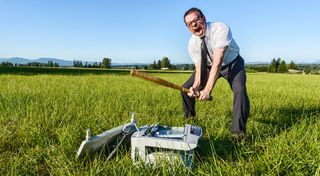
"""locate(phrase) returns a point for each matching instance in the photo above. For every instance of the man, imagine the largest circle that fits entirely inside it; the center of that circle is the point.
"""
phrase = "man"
(215, 54)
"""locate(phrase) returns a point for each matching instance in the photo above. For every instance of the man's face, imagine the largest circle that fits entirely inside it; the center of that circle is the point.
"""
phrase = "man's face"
(196, 24)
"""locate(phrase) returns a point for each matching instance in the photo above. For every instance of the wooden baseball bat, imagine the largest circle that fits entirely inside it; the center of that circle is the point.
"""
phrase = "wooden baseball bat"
(158, 80)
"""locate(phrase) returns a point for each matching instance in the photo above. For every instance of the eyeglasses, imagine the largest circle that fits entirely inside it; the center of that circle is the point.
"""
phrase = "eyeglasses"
(194, 21)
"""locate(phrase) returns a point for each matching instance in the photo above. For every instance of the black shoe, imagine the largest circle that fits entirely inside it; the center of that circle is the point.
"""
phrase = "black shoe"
(238, 137)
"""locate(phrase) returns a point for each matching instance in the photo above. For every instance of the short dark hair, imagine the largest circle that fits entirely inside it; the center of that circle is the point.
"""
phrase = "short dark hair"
(193, 9)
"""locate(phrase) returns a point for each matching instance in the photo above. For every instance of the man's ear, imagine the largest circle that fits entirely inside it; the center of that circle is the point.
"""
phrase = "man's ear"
(204, 18)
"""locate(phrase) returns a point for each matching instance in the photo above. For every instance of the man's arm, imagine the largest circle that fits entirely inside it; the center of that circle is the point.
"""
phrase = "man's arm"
(196, 83)
(214, 73)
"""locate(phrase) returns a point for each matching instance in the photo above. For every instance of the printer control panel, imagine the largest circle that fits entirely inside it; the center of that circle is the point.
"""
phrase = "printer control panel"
(196, 130)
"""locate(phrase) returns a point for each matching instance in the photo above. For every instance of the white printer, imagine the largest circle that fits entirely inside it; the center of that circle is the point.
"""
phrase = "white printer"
(150, 144)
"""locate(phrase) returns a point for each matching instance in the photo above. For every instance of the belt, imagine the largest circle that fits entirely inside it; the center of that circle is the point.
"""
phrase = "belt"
(234, 60)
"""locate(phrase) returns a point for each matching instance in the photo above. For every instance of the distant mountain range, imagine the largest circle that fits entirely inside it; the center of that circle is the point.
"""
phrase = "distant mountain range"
(68, 63)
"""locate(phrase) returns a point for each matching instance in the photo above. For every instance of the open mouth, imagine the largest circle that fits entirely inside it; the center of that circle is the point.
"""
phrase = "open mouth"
(198, 30)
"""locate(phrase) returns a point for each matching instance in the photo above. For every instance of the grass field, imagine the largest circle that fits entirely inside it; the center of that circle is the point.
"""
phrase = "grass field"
(43, 119)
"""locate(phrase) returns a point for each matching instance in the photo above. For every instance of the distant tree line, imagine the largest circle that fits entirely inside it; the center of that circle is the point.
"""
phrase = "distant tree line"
(165, 64)
(106, 63)
(152, 67)
(309, 68)
(79, 64)
(6, 64)
(185, 66)
(30, 64)
(279, 66)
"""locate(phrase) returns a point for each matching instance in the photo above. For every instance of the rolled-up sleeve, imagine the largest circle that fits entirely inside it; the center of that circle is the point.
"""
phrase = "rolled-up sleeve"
(222, 36)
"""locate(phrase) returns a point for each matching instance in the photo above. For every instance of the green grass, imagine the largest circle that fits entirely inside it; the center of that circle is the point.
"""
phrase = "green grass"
(43, 119)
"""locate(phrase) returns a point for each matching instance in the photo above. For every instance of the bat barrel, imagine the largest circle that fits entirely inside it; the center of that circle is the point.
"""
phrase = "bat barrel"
(157, 80)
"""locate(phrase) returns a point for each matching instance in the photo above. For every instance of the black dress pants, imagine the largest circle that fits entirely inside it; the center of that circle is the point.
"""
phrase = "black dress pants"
(235, 74)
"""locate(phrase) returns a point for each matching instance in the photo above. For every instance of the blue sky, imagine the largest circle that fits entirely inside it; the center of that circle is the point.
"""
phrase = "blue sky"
(140, 31)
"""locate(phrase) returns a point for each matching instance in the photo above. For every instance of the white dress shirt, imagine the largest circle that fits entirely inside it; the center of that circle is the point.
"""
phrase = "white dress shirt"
(217, 35)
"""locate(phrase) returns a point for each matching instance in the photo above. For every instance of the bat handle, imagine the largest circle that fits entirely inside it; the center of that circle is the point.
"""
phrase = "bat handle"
(185, 90)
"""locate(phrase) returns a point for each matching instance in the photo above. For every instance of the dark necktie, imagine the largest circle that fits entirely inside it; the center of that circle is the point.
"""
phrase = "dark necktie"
(204, 67)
